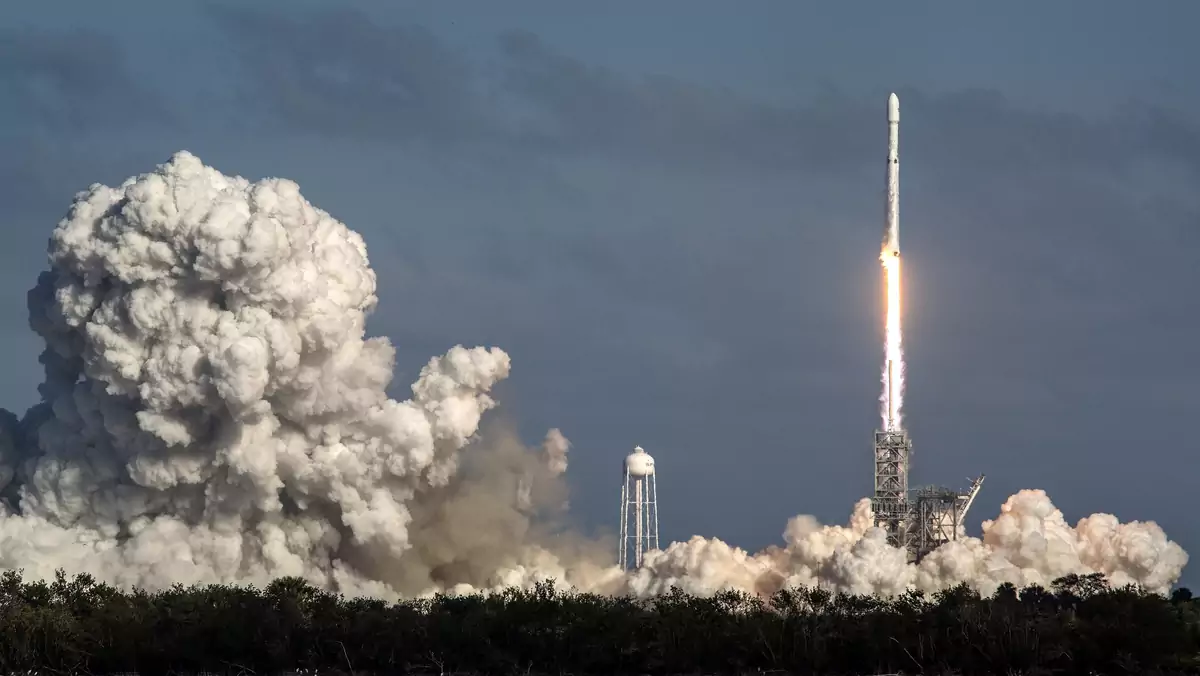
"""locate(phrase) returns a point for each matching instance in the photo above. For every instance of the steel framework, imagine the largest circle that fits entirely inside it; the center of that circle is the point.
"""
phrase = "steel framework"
(639, 518)
(890, 502)
(917, 521)
(938, 517)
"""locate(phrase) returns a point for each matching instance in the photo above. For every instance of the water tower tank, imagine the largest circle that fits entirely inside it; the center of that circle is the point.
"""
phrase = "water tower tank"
(639, 463)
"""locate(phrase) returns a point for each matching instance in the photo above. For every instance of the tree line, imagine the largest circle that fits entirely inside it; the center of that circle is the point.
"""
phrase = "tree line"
(1079, 625)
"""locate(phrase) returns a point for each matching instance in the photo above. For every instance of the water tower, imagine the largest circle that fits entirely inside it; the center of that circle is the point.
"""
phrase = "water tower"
(639, 510)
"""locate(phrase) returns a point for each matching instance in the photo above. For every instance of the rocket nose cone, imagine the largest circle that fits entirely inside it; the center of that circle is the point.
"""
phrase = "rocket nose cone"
(893, 108)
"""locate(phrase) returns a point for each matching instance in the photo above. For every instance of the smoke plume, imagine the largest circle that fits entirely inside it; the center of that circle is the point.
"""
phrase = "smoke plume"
(213, 412)
(1029, 543)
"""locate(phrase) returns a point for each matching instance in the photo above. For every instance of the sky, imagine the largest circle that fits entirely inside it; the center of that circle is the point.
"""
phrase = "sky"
(669, 215)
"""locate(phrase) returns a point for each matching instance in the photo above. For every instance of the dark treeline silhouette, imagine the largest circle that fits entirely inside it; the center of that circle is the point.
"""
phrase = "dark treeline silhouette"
(1078, 626)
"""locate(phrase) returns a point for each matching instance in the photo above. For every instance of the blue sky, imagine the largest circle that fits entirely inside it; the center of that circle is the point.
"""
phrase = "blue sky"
(668, 213)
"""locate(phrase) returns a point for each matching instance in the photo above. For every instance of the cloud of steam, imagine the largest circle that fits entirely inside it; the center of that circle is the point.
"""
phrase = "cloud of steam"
(211, 409)
(1029, 543)
(212, 412)
(555, 447)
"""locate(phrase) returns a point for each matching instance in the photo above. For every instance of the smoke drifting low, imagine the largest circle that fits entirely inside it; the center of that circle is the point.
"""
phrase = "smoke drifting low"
(212, 412)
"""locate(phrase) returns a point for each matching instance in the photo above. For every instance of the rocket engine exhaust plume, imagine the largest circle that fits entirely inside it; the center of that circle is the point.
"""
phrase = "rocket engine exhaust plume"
(213, 413)
(892, 399)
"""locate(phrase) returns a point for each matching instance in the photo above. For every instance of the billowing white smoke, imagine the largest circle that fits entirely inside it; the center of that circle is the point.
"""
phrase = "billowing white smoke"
(211, 409)
(1030, 543)
(212, 413)
(555, 447)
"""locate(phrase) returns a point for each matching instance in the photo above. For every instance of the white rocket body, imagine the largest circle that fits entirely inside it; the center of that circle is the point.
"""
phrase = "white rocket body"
(891, 221)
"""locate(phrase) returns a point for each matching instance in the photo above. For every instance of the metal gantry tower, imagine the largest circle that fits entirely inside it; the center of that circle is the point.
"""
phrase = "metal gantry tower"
(893, 451)
(939, 514)
(639, 510)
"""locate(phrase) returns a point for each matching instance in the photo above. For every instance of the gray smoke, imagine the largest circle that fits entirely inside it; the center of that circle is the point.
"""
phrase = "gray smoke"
(212, 412)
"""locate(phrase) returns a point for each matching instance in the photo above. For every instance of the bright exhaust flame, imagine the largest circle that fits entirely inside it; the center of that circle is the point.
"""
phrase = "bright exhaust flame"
(892, 399)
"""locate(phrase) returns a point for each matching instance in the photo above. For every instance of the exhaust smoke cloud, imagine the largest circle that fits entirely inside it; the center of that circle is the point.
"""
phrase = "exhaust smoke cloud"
(213, 412)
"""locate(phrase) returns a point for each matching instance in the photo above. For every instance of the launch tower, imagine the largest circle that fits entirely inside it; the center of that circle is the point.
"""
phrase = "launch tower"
(890, 503)
(639, 510)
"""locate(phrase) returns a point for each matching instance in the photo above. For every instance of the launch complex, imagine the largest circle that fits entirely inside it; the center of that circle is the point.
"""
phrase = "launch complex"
(922, 520)
(917, 521)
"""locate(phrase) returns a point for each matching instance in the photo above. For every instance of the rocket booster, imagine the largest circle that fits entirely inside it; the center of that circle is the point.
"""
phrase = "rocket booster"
(891, 221)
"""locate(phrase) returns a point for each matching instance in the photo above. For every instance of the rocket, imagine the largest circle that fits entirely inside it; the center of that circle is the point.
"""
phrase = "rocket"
(891, 220)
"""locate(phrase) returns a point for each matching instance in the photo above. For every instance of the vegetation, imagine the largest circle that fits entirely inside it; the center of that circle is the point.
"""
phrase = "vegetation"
(1078, 626)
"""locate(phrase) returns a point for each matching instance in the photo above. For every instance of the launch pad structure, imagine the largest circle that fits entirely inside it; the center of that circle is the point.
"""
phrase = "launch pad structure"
(917, 521)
